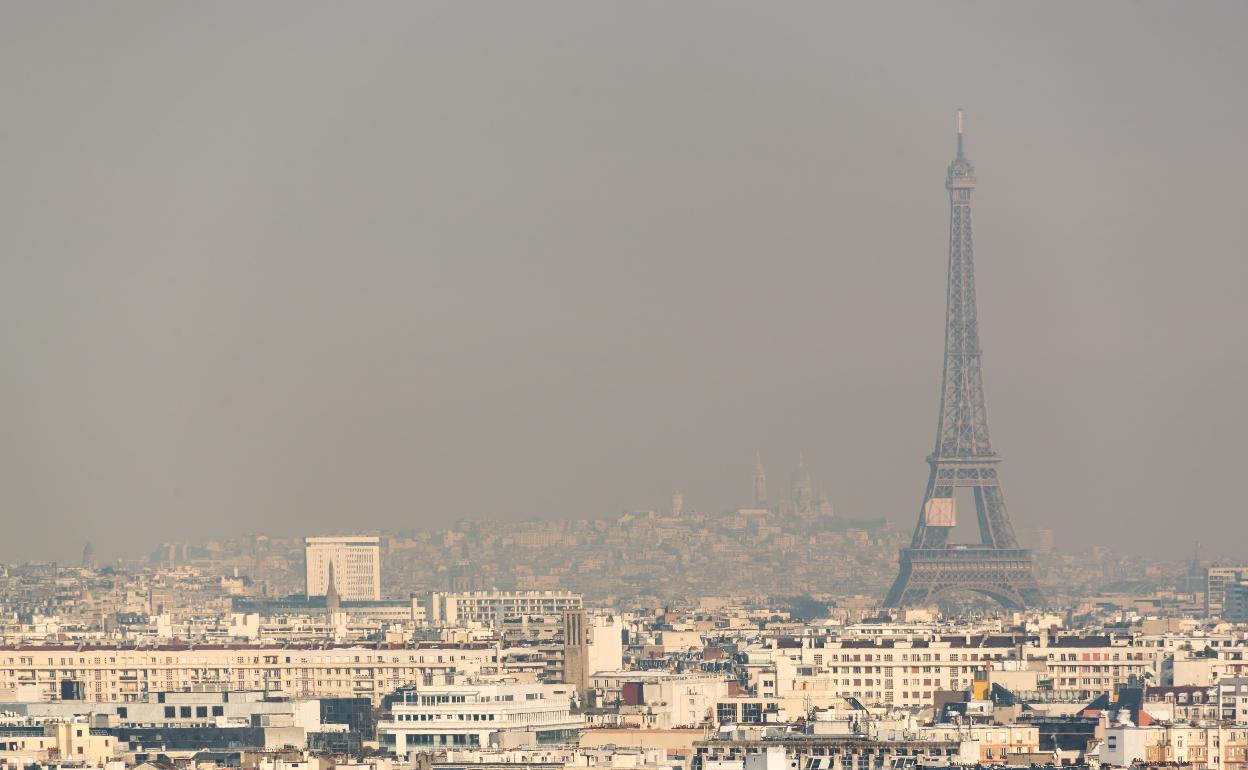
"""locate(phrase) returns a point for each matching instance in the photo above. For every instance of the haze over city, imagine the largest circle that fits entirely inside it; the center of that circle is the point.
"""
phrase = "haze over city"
(325, 268)
(541, 385)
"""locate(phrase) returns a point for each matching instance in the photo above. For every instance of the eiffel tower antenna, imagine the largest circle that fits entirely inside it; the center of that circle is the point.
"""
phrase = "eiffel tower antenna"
(963, 457)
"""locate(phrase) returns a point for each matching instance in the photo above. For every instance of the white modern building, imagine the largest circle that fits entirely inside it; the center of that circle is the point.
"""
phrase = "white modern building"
(503, 714)
(356, 564)
(490, 608)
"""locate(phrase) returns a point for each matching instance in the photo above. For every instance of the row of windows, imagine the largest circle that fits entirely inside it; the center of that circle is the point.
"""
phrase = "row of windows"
(810, 671)
(242, 665)
(69, 672)
(1097, 656)
(909, 657)
(447, 717)
(246, 659)
(424, 739)
(172, 712)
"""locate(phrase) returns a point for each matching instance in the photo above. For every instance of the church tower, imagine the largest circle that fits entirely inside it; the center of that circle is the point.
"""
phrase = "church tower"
(803, 495)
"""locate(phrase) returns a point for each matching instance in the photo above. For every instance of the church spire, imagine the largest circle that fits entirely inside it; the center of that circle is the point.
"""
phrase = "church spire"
(824, 503)
(332, 601)
(802, 491)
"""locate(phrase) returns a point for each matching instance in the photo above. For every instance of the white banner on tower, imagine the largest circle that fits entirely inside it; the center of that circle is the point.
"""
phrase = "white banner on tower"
(940, 512)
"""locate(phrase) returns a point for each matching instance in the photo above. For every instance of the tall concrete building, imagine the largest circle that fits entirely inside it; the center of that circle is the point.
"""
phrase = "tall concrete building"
(591, 643)
(356, 561)
(1218, 578)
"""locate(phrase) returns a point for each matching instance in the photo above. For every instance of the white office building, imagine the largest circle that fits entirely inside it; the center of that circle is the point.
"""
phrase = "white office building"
(490, 608)
(503, 714)
(356, 564)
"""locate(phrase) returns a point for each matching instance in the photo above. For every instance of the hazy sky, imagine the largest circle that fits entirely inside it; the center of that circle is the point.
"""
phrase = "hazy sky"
(306, 268)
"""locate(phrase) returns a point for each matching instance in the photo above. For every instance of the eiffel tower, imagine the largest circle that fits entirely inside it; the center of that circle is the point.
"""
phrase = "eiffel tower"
(997, 567)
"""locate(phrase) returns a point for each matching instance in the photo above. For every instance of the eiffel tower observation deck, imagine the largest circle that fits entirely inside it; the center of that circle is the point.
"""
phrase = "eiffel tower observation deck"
(963, 458)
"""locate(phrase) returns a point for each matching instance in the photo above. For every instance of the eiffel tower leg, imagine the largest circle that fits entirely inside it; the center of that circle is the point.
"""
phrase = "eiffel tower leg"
(898, 591)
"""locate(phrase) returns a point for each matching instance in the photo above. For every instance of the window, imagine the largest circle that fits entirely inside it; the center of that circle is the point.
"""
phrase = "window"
(170, 712)
(218, 711)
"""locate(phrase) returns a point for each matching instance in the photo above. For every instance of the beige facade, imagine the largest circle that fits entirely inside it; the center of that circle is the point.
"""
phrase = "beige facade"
(902, 673)
(996, 742)
(909, 672)
(58, 741)
(123, 674)
(1199, 747)
(1093, 664)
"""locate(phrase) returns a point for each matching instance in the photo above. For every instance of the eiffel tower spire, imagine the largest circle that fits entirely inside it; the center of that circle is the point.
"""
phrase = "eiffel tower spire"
(963, 419)
(963, 455)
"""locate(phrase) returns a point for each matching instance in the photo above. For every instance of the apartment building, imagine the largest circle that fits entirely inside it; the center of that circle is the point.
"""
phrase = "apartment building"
(908, 672)
(833, 752)
(876, 671)
(54, 742)
(355, 562)
(996, 743)
(125, 674)
(1201, 667)
(1202, 747)
(1092, 664)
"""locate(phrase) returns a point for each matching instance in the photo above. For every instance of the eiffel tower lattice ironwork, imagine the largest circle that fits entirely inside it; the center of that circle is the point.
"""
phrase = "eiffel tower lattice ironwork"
(931, 566)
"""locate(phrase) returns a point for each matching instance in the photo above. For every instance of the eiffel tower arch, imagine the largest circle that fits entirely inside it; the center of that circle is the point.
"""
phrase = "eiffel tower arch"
(963, 458)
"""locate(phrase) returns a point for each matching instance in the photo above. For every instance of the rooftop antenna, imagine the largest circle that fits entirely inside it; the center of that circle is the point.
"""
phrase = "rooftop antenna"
(959, 132)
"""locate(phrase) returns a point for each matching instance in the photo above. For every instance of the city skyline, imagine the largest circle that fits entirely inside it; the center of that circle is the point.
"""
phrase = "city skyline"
(549, 385)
